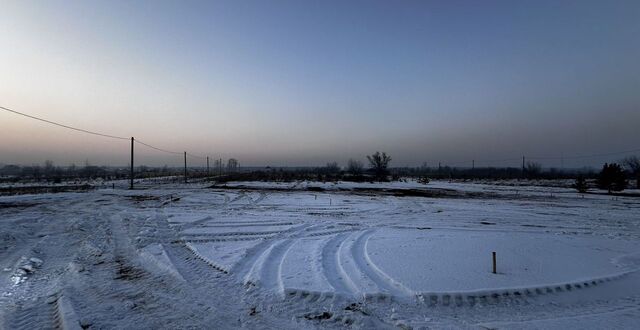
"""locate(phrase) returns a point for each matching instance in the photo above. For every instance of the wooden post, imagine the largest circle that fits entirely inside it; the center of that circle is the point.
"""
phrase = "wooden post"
(473, 164)
(185, 167)
(494, 262)
(207, 165)
(523, 167)
(131, 174)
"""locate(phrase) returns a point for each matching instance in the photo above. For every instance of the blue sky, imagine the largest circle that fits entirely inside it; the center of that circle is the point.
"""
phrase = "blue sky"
(307, 82)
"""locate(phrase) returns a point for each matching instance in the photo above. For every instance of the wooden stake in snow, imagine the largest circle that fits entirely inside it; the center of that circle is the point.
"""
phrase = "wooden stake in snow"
(185, 167)
(494, 262)
(131, 174)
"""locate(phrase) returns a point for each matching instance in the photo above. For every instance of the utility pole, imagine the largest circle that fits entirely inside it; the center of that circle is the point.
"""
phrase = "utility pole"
(131, 182)
(522, 166)
(207, 165)
(220, 166)
(473, 164)
(185, 167)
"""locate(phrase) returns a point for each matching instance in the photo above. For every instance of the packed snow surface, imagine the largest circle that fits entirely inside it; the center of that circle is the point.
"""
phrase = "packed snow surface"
(310, 254)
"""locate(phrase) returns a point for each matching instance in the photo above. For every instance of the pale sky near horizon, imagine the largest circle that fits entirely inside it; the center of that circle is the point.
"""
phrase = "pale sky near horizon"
(309, 82)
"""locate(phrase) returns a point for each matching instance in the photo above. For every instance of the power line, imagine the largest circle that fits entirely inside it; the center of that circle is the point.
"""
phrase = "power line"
(65, 126)
(156, 148)
(589, 156)
(481, 161)
(168, 151)
(203, 157)
(94, 133)
(196, 156)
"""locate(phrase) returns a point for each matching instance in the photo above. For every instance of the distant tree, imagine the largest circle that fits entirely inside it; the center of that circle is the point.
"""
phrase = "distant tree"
(218, 165)
(232, 165)
(581, 184)
(632, 164)
(11, 170)
(379, 164)
(612, 178)
(533, 170)
(48, 167)
(354, 167)
(37, 172)
(332, 167)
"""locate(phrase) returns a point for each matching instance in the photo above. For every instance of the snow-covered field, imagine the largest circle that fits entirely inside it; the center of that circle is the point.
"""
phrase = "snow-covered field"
(307, 255)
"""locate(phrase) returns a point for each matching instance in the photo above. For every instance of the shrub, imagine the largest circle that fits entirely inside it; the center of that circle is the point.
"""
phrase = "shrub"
(612, 178)
(580, 184)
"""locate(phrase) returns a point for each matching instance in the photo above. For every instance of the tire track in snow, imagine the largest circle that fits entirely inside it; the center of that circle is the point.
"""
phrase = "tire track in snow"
(42, 315)
(353, 277)
(191, 268)
(362, 261)
(396, 287)
(244, 266)
(267, 270)
(332, 271)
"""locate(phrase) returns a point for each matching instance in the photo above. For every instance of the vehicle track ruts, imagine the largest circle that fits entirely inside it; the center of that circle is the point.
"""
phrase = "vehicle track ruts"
(242, 268)
(249, 224)
(192, 268)
(245, 266)
(41, 314)
(358, 253)
(266, 272)
(330, 264)
(361, 249)
(231, 239)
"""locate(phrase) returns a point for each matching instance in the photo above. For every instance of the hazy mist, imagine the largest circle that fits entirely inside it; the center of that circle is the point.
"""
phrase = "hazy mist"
(293, 84)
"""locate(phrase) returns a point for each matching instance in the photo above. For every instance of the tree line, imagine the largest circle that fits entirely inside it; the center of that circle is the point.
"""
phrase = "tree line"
(612, 177)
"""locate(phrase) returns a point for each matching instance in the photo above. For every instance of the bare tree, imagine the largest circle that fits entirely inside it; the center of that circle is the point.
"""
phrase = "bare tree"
(632, 164)
(533, 170)
(232, 165)
(332, 167)
(218, 165)
(354, 167)
(49, 168)
(379, 163)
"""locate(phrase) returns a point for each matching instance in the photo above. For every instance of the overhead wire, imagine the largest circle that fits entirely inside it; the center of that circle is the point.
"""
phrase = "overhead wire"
(65, 126)
(203, 157)
(589, 156)
(156, 148)
(95, 133)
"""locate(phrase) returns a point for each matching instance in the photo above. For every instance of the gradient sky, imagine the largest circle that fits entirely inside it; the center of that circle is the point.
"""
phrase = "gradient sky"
(307, 82)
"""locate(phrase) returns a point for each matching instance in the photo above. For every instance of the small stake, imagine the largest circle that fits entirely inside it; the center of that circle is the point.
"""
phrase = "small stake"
(494, 262)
